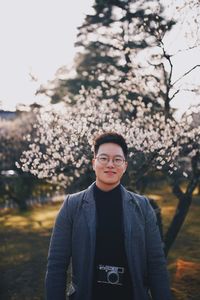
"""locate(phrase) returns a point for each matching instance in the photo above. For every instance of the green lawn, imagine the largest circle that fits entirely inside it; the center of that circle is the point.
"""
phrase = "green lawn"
(24, 245)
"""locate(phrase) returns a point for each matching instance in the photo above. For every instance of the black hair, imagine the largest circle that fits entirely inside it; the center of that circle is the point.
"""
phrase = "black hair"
(110, 137)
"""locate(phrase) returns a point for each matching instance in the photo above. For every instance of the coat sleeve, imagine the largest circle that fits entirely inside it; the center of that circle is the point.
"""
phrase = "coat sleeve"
(158, 278)
(59, 255)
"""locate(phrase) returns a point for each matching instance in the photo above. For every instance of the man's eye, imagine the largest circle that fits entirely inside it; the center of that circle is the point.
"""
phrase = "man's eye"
(118, 160)
(102, 158)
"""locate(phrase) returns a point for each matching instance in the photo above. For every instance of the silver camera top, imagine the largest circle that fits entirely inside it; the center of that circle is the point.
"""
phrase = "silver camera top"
(110, 274)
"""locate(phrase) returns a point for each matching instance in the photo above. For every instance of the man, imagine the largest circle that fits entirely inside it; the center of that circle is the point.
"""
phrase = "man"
(111, 236)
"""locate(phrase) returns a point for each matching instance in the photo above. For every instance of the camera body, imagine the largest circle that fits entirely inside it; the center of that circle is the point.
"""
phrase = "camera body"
(110, 274)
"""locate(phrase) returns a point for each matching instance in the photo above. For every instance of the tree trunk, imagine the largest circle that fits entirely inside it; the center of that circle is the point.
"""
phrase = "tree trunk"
(182, 209)
(185, 200)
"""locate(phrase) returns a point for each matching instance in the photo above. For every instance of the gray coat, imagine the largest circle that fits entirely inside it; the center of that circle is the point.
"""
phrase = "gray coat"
(74, 237)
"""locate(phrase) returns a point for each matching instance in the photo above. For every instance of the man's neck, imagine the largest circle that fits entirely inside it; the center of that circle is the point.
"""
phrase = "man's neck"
(106, 188)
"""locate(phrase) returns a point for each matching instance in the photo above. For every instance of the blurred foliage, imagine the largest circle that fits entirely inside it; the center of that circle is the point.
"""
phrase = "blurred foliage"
(16, 186)
(12, 138)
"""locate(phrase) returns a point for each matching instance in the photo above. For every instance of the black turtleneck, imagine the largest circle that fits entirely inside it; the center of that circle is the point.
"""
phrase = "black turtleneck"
(110, 250)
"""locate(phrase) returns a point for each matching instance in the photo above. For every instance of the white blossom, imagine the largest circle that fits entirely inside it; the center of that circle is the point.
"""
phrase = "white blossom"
(64, 138)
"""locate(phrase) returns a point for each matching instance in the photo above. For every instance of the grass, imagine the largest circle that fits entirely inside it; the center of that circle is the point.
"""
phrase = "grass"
(184, 256)
(25, 239)
(23, 251)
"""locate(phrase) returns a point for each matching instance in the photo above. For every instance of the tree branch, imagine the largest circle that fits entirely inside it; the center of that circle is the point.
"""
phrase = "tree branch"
(174, 94)
(186, 49)
(186, 73)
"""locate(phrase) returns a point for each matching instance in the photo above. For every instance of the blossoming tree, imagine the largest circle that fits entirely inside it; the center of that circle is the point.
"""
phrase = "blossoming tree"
(62, 148)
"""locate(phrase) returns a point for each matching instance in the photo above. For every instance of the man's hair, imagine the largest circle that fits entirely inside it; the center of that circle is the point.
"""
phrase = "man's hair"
(110, 137)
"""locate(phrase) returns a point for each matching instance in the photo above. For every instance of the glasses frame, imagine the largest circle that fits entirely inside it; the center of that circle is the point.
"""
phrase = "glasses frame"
(109, 158)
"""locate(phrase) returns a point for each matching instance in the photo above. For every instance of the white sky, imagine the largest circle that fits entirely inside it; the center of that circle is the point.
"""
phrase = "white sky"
(37, 36)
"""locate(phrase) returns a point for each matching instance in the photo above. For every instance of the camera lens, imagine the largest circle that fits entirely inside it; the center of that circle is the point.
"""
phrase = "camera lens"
(113, 277)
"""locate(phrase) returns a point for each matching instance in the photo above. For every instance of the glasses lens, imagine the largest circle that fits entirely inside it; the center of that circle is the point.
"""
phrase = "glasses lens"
(117, 161)
(103, 159)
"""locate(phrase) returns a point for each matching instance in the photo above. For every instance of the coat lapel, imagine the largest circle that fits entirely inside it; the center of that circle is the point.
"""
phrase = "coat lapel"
(90, 215)
(130, 223)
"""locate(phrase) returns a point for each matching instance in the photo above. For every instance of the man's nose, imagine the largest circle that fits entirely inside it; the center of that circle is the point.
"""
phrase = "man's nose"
(110, 163)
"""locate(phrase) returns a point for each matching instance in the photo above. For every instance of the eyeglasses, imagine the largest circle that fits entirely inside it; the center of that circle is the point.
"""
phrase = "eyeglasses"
(104, 160)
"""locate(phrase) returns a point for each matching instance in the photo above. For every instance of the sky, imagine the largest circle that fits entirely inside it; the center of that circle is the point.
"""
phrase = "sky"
(37, 38)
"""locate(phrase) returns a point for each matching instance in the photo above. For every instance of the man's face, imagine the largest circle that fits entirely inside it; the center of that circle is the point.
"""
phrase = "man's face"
(108, 174)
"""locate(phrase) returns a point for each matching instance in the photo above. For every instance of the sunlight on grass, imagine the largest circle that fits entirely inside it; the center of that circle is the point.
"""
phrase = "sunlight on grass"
(185, 268)
(186, 279)
(16, 221)
(196, 191)
(155, 197)
(38, 218)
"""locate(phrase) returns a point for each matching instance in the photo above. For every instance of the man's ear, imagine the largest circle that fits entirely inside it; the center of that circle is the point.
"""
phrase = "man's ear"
(93, 164)
(126, 166)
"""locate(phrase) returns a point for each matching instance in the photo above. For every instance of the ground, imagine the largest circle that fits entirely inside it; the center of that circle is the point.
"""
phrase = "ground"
(25, 239)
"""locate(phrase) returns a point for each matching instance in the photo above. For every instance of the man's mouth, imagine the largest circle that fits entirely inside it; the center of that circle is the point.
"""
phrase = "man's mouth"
(110, 172)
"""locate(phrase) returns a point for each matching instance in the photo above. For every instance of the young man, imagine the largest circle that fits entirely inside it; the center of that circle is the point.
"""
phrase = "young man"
(111, 235)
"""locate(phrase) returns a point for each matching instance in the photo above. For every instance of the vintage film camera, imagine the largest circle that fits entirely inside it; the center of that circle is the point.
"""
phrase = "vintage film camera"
(110, 274)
